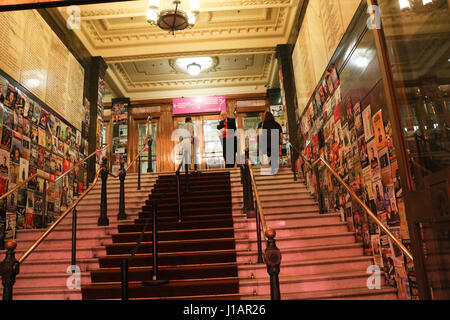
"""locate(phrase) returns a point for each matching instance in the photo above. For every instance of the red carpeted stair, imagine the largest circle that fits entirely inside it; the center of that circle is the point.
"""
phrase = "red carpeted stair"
(197, 255)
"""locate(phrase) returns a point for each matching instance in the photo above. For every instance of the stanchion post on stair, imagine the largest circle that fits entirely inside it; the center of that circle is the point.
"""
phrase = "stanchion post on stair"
(44, 205)
(9, 268)
(272, 258)
(155, 277)
(74, 236)
(150, 156)
(103, 219)
(139, 173)
(122, 174)
(294, 157)
(319, 191)
(124, 279)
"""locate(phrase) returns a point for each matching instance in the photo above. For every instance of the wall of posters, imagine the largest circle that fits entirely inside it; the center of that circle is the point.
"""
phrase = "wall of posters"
(356, 140)
(35, 139)
(120, 133)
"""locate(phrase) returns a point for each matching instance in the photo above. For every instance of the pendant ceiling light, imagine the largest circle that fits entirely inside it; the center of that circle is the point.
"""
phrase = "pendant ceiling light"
(173, 15)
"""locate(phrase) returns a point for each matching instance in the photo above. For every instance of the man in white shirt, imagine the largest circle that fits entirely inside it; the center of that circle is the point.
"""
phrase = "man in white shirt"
(187, 144)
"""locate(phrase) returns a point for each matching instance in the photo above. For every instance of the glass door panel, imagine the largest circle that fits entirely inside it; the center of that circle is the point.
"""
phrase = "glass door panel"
(213, 153)
(180, 125)
(144, 158)
(251, 141)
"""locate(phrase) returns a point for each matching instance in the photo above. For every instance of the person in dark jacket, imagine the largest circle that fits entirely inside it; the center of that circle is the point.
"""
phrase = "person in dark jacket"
(227, 127)
(271, 128)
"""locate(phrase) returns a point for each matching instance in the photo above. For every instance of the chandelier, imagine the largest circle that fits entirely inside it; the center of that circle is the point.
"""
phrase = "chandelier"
(173, 15)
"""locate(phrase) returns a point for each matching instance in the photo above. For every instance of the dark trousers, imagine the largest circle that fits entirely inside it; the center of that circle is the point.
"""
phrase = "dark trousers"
(226, 141)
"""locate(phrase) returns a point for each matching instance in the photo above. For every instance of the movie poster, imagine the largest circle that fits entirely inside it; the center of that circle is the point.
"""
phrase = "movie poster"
(44, 119)
(34, 135)
(378, 192)
(36, 114)
(16, 145)
(8, 118)
(4, 171)
(376, 249)
(378, 127)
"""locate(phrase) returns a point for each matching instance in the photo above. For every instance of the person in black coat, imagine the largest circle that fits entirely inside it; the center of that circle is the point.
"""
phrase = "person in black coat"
(227, 126)
(271, 128)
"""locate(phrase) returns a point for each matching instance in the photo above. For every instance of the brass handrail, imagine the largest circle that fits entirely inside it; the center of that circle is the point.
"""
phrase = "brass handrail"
(135, 158)
(81, 162)
(34, 176)
(366, 208)
(258, 200)
(55, 224)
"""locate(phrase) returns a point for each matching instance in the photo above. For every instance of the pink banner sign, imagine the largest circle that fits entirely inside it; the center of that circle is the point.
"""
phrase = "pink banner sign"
(214, 104)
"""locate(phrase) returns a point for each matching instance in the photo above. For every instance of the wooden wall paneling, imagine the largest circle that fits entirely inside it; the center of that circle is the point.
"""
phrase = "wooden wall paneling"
(165, 144)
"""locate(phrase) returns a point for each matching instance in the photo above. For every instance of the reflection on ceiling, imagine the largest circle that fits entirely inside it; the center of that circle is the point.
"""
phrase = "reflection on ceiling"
(240, 36)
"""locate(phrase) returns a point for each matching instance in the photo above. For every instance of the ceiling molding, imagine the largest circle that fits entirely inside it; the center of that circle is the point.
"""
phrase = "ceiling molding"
(183, 54)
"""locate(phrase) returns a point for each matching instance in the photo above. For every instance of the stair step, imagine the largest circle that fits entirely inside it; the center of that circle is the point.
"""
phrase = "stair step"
(189, 287)
(300, 241)
(306, 283)
(385, 293)
(170, 258)
(175, 245)
(204, 271)
(307, 253)
(294, 230)
(309, 267)
(180, 234)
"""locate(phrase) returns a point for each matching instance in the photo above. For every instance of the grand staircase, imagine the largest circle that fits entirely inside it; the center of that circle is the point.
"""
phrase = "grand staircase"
(211, 254)
(43, 275)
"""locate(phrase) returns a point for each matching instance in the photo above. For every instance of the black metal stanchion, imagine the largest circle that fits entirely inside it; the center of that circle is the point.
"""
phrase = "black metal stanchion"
(319, 191)
(74, 236)
(44, 202)
(103, 220)
(122, 174)
(9, 268)
(179, 195)
(258, 235)
(155, 278)
(150, 156)
(124, 279)
(272, 259)
(139, 173)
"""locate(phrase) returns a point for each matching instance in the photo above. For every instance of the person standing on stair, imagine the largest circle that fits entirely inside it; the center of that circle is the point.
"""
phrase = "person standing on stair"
(187, 145)
(270, 141)
(227, 127)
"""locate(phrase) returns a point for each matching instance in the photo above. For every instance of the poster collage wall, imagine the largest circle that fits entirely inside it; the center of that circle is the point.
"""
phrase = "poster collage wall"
(34, 139)
(357, 141)
(120, 134)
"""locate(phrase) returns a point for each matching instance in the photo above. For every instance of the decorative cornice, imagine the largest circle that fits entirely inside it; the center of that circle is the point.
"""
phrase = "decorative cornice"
(139, 9)
(192, 83)
(175, 55)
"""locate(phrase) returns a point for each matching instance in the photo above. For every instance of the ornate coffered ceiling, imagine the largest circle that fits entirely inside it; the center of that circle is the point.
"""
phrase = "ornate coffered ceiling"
(241, 35)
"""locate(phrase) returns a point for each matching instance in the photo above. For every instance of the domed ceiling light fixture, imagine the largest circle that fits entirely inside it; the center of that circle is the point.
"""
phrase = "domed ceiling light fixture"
(194, 66)
(173, 15)
(194, 69)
